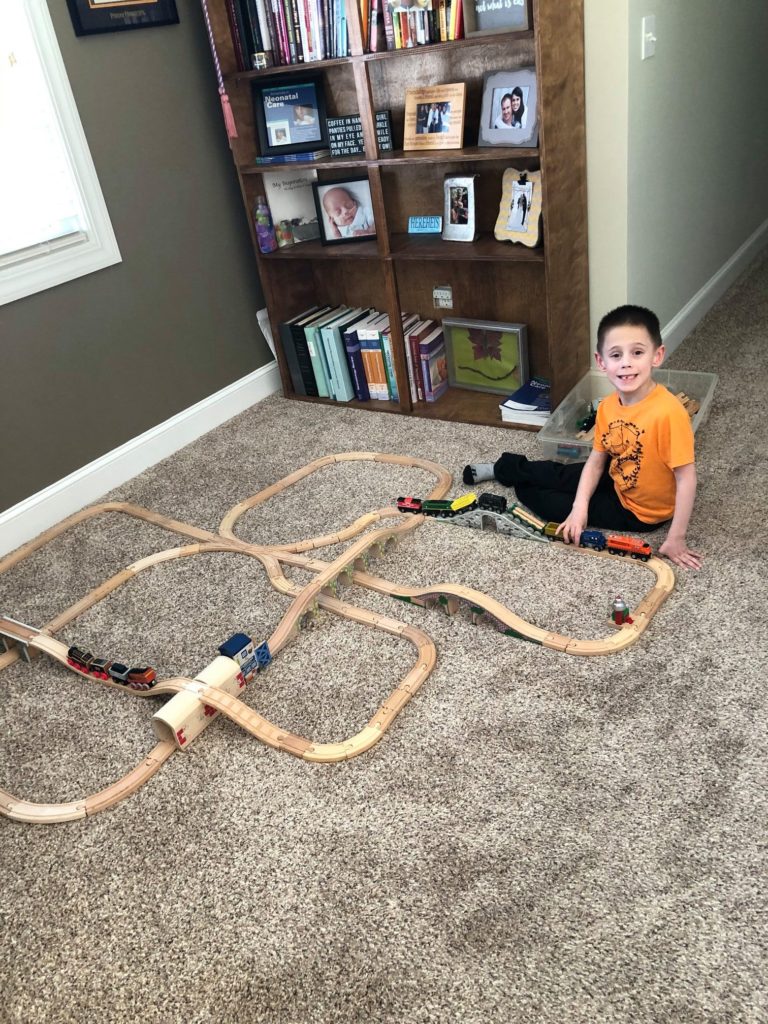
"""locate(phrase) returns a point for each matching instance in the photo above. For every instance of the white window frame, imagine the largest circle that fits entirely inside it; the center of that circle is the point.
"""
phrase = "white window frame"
(52, 263)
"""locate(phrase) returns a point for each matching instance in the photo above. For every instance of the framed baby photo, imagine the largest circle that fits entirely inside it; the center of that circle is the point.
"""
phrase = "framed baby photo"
(290, 115)
(344, 210)
(519, 217)
(486, 356)
(434, 117)
(92, 16)
(508, 115)
(459, 208)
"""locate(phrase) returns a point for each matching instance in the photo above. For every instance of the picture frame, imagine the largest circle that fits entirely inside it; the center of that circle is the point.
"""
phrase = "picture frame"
(90, 17)
(434, 117)
(509, 110)
(486, 356)
(344, 210)
(459, 208)
(519, 217)
(290, 114)
(487, 17)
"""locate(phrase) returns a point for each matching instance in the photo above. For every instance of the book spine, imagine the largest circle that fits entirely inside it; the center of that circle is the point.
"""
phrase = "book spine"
(305, 362)
(264, 29)
(287, 9)
(300, 56)
(417, 372)
(389, 364)
(344, 390)
(318, 367)
(357, 370)
(389, 29)
(305, 31)
(274, 31)
(317, 21)
(279, 16)
(234, 31)
(291, 358)
(411, 376)
(252, 14)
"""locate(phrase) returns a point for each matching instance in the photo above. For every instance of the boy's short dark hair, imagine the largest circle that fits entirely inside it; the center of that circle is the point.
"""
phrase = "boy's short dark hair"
(629, 316)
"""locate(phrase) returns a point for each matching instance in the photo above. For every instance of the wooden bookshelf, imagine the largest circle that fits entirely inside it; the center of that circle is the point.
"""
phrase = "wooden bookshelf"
(545, 288)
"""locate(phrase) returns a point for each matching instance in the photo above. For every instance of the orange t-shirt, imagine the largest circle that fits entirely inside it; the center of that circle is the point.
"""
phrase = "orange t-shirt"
(645, 442)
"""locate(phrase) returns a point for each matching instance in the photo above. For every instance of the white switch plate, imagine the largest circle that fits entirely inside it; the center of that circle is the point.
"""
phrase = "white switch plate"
(442, 296)
(648, 44)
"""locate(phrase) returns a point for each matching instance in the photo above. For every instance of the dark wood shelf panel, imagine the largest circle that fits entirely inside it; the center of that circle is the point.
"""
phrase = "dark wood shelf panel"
(301, 68)
(433, 247)
(469, 154)
(477, 40)
(463, 406)
(374, 406)
(315, 250)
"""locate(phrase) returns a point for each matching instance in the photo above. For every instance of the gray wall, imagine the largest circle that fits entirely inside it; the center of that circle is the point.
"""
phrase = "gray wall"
(698, 144)
(677, 150)
(93, 363)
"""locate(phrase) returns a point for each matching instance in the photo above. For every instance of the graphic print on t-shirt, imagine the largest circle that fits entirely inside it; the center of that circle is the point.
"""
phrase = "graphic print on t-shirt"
(622, 442)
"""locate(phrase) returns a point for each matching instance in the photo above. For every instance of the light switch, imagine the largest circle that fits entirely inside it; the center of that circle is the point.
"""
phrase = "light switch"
(648, 46)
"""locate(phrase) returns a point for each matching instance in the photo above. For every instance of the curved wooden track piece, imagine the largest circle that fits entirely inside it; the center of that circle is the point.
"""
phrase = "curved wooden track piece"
(212, 689)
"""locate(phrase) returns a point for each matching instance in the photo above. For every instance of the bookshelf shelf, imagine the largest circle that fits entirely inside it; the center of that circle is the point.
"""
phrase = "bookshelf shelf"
(432, 247)
(545, 287)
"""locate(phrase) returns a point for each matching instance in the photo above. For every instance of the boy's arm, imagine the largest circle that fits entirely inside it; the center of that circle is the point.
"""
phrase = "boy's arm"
(572, 527)
(675, 547)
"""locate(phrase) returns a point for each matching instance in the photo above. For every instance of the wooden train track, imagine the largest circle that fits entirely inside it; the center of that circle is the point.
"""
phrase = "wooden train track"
(196, 702)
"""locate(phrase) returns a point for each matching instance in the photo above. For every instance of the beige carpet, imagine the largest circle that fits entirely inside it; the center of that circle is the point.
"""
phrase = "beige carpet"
(539, 838)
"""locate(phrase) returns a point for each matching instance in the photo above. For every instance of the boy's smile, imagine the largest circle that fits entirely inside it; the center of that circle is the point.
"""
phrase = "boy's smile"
(628, 358)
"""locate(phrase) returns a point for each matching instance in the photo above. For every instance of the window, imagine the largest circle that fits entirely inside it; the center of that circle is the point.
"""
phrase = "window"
(54, 224)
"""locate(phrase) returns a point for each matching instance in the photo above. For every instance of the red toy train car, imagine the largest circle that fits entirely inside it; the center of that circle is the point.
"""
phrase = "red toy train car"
(99, 668)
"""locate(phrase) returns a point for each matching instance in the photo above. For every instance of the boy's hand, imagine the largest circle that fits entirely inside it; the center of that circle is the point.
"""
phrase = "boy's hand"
(677, 551)
(572, 527)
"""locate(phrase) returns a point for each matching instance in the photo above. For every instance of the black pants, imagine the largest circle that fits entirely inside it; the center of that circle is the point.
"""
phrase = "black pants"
(548, 488)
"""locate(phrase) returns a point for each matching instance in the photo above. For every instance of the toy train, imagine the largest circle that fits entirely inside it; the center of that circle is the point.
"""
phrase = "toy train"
(615, 544)
(100, 668)
(251, 659)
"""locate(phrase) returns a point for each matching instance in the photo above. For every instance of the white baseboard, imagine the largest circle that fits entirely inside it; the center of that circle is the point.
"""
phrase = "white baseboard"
(30, 517)
(681, 325)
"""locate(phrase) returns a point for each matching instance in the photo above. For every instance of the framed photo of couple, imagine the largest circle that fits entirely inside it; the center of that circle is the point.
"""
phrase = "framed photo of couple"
(509, 110)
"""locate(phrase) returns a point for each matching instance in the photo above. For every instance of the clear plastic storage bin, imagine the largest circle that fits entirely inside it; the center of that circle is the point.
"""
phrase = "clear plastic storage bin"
(558, 436)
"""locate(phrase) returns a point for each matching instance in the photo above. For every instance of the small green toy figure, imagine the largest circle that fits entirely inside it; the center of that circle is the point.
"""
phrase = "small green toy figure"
(620, 612)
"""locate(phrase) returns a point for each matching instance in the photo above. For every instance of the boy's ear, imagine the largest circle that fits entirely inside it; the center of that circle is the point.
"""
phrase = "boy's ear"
(658, 356)
(599, 360)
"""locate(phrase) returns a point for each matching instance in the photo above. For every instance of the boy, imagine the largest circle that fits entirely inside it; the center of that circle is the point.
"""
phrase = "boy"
(347, 216)
(641, 470)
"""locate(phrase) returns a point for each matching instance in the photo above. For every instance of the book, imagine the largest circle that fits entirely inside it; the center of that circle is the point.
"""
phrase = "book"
(531, 397)
(529, 416)
(417, 332)
(317, 352)
(434, 364)
(373, 357)
(296, 352)
(355, 361)
(233, 17)
(289, 195)
(389, 361)
(336, 355)
(322, 350)
(293, 158)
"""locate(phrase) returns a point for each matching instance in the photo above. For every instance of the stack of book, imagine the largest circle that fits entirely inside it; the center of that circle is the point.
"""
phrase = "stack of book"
(529, 404)
(426, 359)
(341, 353)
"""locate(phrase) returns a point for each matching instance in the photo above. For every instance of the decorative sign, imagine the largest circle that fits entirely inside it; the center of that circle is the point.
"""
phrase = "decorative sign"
(425, 225)
(345, 134)
(484, 17)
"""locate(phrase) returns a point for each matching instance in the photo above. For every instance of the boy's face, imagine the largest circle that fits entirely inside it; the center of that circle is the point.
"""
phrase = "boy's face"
(628, 358)
(340, 206)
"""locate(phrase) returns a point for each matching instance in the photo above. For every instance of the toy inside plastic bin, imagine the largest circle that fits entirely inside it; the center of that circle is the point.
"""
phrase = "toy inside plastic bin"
(558, 436)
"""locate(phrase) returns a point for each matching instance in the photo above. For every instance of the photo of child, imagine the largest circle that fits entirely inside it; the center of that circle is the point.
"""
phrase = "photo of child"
(345, 209)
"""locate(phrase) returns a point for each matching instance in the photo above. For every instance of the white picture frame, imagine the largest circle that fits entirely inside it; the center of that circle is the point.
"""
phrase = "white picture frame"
(509, 113)
(459, 208)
